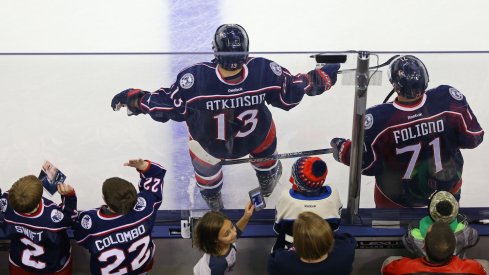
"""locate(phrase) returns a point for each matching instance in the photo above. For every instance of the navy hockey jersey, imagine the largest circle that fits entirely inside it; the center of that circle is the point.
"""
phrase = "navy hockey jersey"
(414, 150)
(228, 119)
(122, 244)
(39, 242)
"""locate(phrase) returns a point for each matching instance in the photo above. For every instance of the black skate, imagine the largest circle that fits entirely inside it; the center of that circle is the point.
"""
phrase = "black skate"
(214, 201)
(268, 181)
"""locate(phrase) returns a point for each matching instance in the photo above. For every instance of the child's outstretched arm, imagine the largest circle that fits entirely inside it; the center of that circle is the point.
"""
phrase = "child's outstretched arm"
(248, 211)
(139, 164)
(68, 202)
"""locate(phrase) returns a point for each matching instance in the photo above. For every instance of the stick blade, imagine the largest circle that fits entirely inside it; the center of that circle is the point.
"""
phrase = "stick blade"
(195, 147)
(330, 58)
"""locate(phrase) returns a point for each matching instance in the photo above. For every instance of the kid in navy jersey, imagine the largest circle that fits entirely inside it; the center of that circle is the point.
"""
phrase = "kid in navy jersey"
(412, 145)
(118, 234)
(224, 104)
(37, 228)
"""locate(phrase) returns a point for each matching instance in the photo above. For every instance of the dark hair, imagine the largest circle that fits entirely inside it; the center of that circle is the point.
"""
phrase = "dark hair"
(439, 242)
(206, 232)
(120, 195)
(25, 194)
(313, 237)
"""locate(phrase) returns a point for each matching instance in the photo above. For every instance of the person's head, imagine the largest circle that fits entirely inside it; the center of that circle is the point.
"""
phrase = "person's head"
(25, 194)
(308, 174)
(439, 242)
(409, 77)
(214, 231)
(230, 38)
(443, 207)
(119, 195)
(313, 237)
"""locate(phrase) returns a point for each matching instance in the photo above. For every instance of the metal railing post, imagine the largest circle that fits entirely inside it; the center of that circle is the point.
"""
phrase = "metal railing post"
(360, 105)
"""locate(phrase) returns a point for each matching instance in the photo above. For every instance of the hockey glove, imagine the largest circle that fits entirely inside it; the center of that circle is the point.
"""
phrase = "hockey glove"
(341, 149)
(129, 98)
(322, 79)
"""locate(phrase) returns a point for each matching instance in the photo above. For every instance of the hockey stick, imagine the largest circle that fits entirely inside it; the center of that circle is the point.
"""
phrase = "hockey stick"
(200, 153)
(388, 96)
(373, 67)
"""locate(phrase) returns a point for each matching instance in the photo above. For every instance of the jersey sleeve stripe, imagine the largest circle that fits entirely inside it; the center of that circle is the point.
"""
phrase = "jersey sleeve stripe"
(120, 227)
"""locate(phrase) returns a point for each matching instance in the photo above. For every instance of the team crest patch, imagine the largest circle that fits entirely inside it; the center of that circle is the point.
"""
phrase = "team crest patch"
(187, 81)
(276, 69)
(369, 121)
(140, 205)
(455, 94)
(3, 205)
(57, 215)
(86, 222)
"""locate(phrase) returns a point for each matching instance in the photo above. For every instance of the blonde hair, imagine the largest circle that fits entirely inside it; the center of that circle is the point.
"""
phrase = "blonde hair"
(25, 194)
(313, 237)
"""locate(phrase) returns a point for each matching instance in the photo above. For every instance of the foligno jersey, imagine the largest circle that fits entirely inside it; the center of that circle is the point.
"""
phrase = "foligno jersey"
(229, 119)
(415, 150)
(39, 242)
(122, 244)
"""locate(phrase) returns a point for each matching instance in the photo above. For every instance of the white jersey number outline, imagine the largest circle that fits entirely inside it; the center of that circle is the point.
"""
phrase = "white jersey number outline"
(28, 254)
(247, 117)
(416, 148)
(119, 256)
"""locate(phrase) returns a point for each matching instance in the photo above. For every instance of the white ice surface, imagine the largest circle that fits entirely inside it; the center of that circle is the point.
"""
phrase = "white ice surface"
(58, 107)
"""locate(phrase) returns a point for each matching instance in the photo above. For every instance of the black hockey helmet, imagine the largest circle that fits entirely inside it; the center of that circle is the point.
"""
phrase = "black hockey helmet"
(409, 76)
(230, 38)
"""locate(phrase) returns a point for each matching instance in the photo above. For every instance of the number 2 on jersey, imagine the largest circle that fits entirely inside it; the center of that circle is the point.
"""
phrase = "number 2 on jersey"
(28, 255)
(416, 148)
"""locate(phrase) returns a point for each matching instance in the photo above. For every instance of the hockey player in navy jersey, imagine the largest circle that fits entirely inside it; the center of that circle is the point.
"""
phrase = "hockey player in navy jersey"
(37, 227)
(224, 104)
(412, 145)
(118, 234)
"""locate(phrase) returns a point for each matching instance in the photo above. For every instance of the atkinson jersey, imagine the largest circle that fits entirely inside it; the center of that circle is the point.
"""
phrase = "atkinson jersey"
(39, 242)
(414, 150)
(326, 204)
(229, 119)
(122, 244)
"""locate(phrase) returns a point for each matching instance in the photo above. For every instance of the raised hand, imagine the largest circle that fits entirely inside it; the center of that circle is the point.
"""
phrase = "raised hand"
(322, 79)
(64, 189)
(129, 98)
(340, 147)
(139, 164)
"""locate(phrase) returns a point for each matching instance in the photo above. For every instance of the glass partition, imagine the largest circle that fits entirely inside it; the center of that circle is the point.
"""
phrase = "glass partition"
(57, 108)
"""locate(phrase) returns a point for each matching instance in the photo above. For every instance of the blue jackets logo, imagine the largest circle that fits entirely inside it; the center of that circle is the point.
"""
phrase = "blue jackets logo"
(187, 81)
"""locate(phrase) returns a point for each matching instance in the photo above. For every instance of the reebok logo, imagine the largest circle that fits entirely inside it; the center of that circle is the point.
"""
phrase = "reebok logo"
(415, 116)
(235, 90)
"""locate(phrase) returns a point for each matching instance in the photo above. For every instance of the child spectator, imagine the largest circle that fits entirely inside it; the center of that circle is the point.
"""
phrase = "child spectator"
(443, 207)
(439, 246)
(118, 235)
(316, 250)
(216, 236)
(307, 194)
(37, 228)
